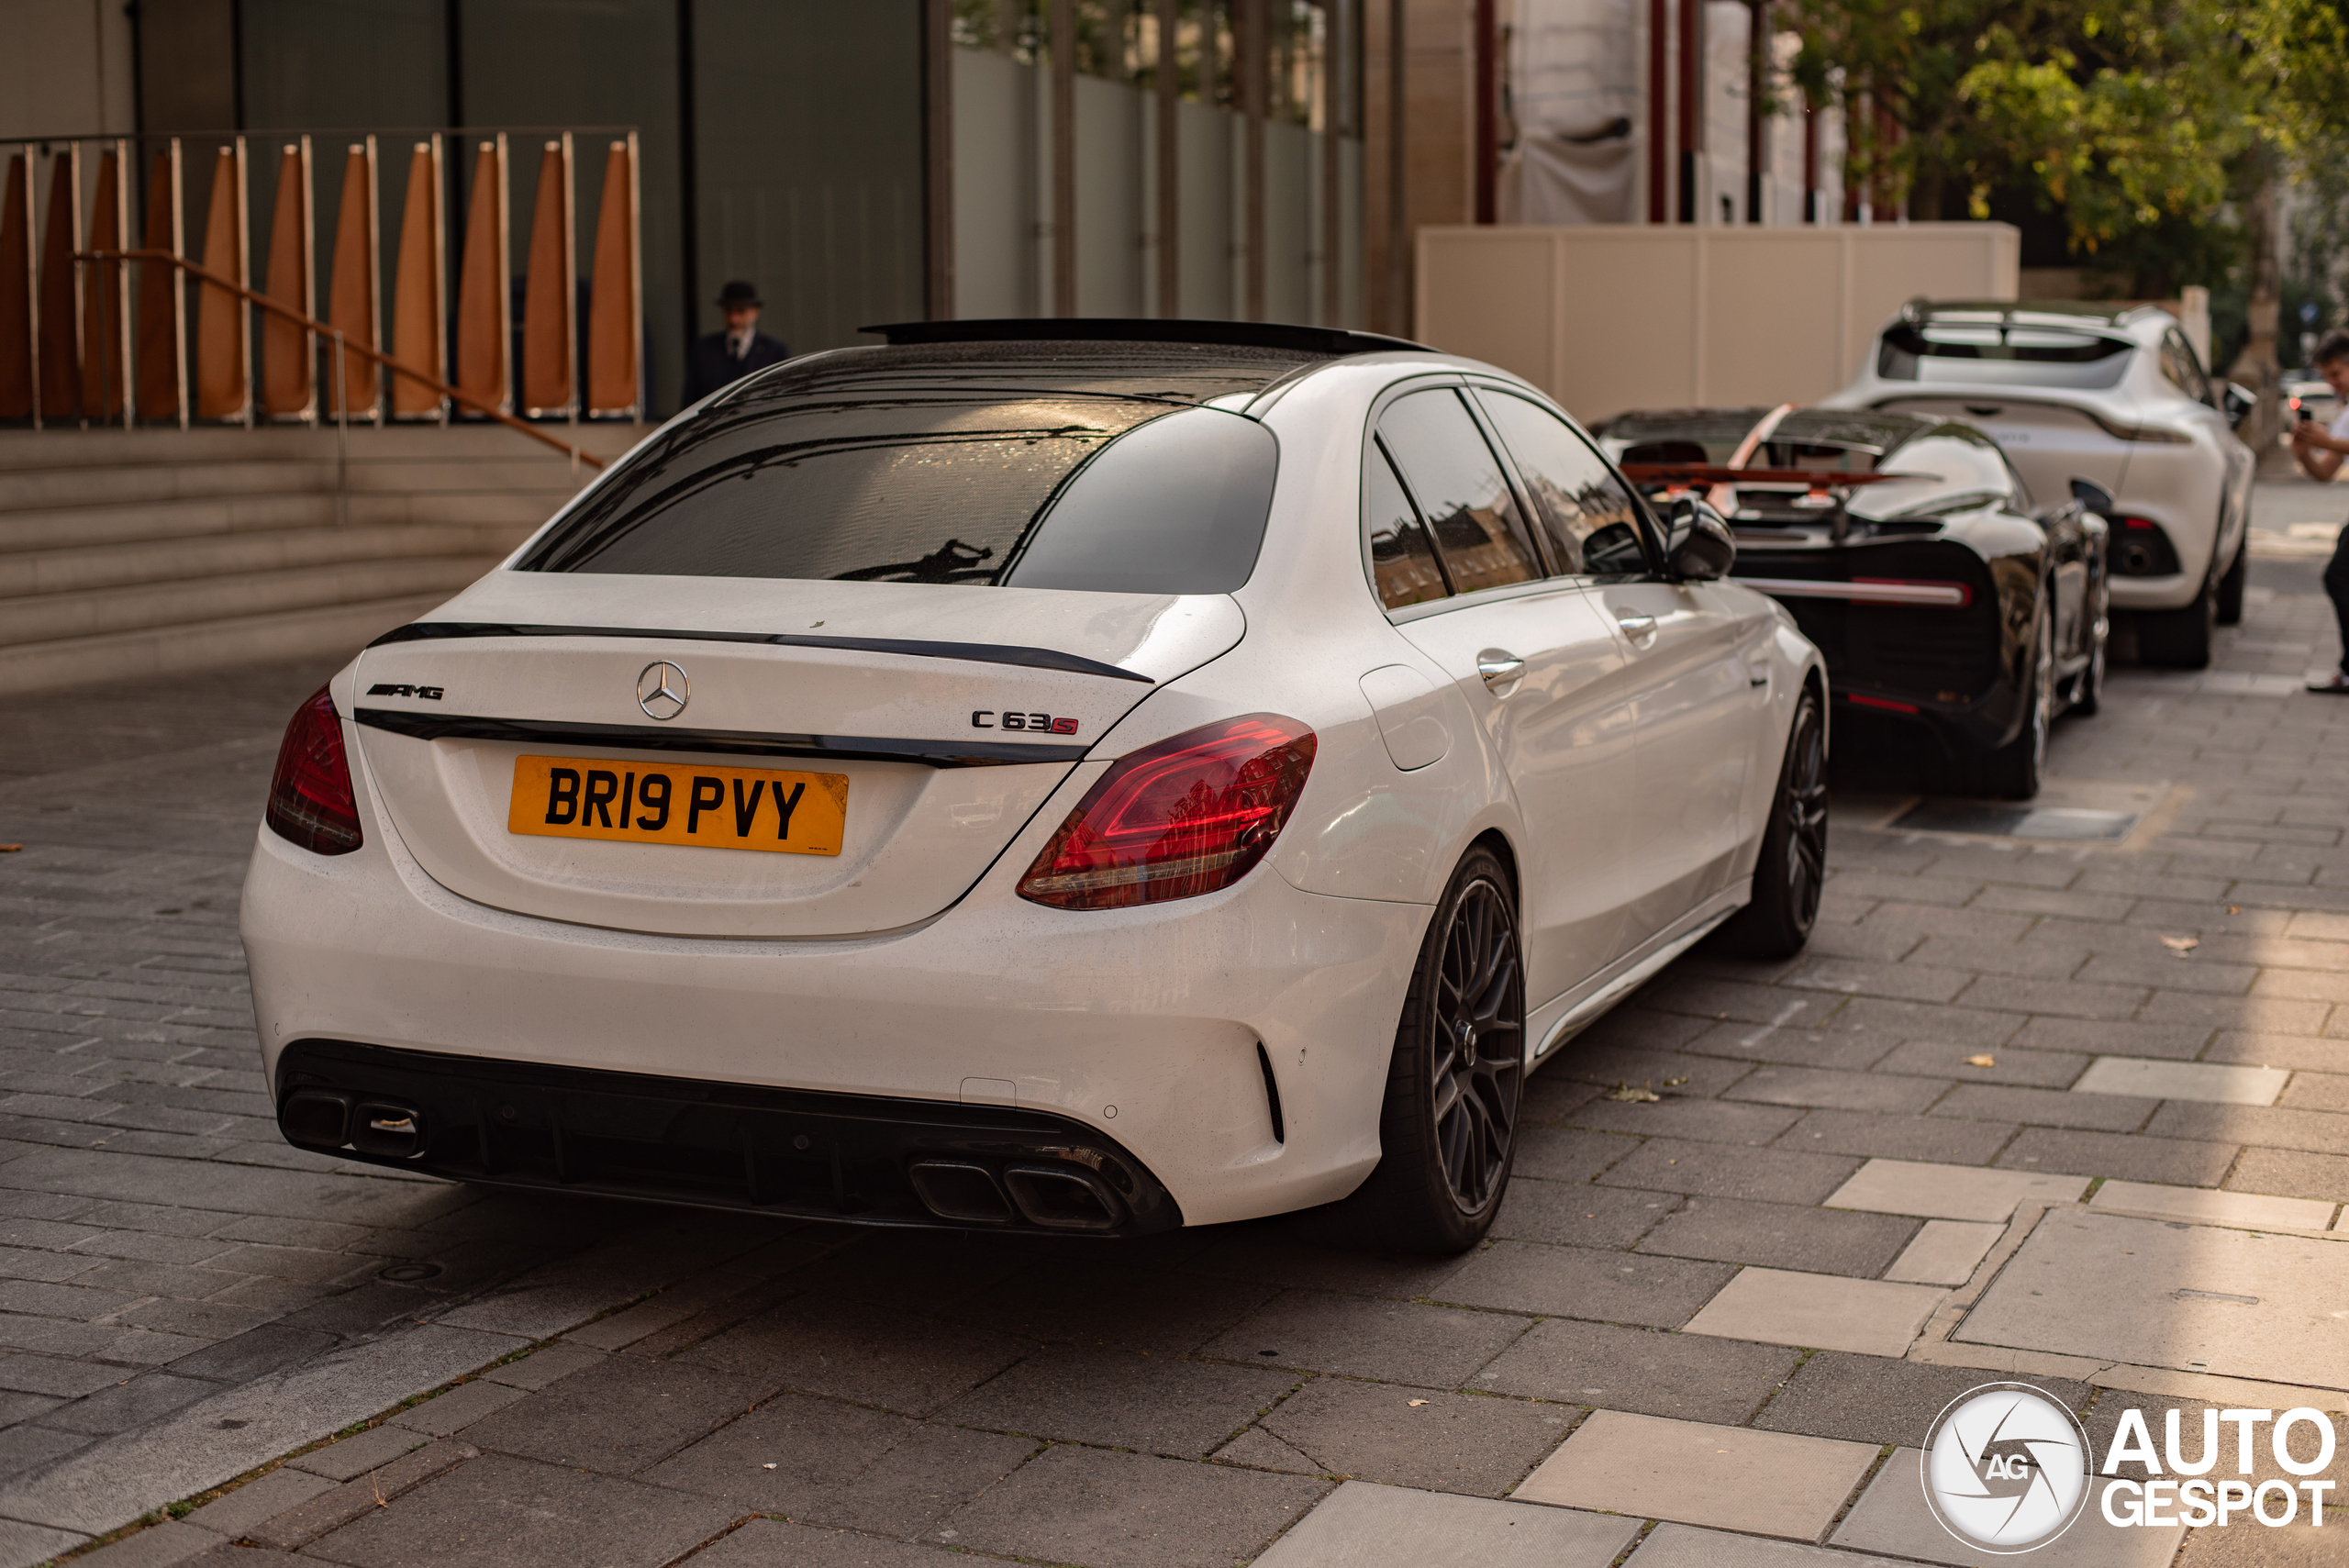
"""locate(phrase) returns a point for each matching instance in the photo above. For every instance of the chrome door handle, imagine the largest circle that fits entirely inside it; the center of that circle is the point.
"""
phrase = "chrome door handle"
(1500, 670)
(1636, 627)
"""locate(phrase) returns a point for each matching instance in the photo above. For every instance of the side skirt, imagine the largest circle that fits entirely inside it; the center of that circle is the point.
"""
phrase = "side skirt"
(1560, 1020)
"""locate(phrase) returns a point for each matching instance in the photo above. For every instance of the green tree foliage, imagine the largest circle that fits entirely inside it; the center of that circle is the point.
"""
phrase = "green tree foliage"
(2141, 121)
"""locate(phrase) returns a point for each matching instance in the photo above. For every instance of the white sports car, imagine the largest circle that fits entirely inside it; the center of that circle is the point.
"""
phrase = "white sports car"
(1056, 776)
(2111, 394)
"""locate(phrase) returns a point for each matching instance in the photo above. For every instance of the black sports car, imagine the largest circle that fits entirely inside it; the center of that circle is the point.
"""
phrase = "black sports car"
(1945, 598)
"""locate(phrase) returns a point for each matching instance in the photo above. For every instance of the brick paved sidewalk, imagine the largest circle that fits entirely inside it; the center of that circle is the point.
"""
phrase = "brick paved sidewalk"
(1992, 1124)
(182, 1295)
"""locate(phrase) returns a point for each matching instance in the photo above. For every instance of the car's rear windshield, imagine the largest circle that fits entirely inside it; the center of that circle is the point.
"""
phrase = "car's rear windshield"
(1964, 352)
(1082, 475)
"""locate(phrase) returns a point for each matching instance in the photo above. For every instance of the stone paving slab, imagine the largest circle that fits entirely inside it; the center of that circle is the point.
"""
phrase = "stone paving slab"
(2191, 1298)
(1950, 1192)
(1765, 1483)
(1818, 1311)
(2248, 1211)
(1362, 1525)
(2149, 1079)
(1891, 1517)
(1683, 1546)
(1945, 1252)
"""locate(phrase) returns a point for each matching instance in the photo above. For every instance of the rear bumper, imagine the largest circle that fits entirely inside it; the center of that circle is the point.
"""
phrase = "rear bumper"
(862, 1158)
(1145, 1024)
(1909, 669)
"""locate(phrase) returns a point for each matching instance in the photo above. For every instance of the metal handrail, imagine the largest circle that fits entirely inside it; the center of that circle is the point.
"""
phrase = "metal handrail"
(396, 367)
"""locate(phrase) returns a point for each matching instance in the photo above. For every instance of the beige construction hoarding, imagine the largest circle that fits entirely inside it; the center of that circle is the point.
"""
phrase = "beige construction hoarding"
(1610, 316)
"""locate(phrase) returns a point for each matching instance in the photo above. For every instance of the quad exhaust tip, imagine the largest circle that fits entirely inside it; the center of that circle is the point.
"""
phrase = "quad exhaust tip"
(1056, 1198)
(321, 1118)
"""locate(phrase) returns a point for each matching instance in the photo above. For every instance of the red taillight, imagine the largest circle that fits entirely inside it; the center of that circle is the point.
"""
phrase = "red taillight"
(1186, 817)
(310, 799)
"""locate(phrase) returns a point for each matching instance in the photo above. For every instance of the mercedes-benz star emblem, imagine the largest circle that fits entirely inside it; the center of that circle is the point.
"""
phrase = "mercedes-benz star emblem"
(662, 690)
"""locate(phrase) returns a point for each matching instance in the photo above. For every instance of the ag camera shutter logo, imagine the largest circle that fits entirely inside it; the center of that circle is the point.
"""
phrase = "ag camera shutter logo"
(2006, 1468)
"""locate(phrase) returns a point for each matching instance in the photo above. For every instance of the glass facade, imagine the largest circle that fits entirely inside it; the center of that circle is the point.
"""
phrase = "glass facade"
(802, 144)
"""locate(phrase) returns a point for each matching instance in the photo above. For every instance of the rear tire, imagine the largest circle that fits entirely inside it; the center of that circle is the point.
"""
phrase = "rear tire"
(2013, 772)
(1792, 867)
(2178, 638)
(2231, 586)
(1447, 1133)
(2088, 687)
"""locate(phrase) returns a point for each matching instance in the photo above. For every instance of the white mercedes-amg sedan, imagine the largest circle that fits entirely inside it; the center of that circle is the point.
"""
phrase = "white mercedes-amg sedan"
(1052, 776)
(2113, 393)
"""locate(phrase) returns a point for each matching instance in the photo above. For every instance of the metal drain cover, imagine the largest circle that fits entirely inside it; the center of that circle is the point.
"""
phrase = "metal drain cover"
(2056, 823)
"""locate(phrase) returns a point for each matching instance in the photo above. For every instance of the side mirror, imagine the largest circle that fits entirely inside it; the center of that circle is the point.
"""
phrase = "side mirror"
(2092, 498)
(1700, 547)
(2236, 402)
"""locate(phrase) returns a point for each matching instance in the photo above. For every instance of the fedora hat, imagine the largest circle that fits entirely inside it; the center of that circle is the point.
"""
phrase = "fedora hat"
(739, 293)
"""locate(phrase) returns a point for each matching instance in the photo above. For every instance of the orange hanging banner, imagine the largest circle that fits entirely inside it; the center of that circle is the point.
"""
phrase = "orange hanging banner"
(350, 303)
(220, 378)
(484, 347)
(102, 303)
(60, 371)
(287, 372)
(611, 309)
(546, 327)
(158, 359)
(417, 337)
(16, 294)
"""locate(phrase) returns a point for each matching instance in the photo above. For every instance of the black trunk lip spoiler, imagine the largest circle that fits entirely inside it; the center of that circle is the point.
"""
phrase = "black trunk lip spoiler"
(724, 743)
(971, 652)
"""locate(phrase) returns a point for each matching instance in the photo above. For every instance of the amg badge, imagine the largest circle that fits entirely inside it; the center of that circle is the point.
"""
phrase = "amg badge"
(387, 689)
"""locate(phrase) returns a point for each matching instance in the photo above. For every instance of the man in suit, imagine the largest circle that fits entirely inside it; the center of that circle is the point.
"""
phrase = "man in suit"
(729, 356)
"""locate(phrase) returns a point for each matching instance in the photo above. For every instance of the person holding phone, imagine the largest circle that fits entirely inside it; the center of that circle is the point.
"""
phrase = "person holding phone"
(2319, 451)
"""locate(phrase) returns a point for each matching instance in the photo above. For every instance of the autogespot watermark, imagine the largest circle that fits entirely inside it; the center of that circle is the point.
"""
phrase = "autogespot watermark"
(2007, 1468)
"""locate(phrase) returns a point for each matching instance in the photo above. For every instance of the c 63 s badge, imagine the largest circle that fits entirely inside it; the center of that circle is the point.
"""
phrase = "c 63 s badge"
(388, 689)
(988, 719)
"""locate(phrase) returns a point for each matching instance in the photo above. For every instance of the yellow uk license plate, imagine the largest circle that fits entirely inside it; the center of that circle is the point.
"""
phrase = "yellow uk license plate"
(716, 808)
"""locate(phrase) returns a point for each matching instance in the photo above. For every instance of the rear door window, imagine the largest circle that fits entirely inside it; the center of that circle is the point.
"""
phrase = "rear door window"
(1460, 491)
(1585, 511)
(1403, 566)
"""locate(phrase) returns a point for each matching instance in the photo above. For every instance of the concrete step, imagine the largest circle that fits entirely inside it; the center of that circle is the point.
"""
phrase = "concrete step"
(76, 448)
(30, 573)
(27, 489)
(68, 528)
(97, 612)
(328, 633)
(151, 483)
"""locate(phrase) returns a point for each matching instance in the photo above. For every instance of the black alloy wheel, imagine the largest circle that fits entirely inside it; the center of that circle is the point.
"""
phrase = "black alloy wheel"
(1448, 1129)
(1791, 871)
(1476, 1046)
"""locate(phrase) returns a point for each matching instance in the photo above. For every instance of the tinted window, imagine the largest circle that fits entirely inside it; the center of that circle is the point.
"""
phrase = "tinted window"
(1457, 482)
(1590, 520)
(938, 483)
(1402, 562)
(1175, 505)
(1962, 351)
(2184, 371)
